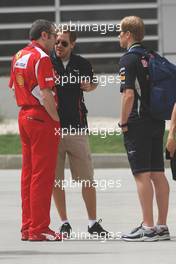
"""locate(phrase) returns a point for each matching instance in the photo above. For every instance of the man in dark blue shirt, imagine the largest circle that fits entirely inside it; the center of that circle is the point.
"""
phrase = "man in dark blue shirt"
(74, 75)
(143, 135)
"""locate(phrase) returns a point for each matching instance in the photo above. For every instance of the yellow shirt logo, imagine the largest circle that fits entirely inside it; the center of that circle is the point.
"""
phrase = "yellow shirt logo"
(18, 55)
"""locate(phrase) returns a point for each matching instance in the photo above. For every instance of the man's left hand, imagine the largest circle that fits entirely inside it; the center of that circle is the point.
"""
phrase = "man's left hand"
(124, 129)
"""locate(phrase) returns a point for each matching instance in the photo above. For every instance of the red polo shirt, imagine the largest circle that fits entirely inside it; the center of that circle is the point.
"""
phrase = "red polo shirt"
(31, 71)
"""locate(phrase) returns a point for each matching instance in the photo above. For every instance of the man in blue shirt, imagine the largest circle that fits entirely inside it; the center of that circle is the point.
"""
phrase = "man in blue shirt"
(143, 135)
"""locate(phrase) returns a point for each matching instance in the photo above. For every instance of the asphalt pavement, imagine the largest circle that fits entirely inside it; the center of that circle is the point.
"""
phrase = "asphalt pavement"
(118, 206)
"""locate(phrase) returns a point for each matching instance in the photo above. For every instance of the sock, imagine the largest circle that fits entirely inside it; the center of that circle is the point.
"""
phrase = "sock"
(161, 226)
(148, 227)
(91, 223)
(64, 221)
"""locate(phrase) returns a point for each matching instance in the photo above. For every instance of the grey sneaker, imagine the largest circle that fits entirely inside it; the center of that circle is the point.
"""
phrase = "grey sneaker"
(140, 234)
(163, 233)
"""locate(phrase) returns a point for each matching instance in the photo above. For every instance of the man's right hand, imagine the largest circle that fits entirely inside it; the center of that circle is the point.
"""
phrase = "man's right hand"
(49, 104)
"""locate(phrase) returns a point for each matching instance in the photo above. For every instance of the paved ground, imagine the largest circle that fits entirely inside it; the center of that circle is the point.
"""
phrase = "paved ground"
(117, 206)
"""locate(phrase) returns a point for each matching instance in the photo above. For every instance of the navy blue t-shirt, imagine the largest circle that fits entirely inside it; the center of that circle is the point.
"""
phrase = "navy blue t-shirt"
(134, 74)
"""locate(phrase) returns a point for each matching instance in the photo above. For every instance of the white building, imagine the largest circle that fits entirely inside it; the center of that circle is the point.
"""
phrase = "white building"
(100, 47)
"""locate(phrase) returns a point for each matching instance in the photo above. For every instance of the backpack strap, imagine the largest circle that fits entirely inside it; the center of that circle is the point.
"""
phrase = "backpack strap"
(140, 52)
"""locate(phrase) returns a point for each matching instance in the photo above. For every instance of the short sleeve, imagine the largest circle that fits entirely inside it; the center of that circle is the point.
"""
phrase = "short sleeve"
(45, 73)
(127, 72)
(87, 70)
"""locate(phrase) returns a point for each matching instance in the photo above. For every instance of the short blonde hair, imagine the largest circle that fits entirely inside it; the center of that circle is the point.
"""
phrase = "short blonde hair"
(135, 25)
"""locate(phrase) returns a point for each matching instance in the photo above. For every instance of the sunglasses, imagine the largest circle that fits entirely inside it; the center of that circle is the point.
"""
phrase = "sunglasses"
(63, 43)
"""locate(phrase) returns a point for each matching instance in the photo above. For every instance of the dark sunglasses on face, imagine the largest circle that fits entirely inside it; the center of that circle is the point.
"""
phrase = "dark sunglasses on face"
(63, 43)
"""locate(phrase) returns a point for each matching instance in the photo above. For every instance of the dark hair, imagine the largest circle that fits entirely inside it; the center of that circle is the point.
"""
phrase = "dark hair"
(38, 27)
(67, 29)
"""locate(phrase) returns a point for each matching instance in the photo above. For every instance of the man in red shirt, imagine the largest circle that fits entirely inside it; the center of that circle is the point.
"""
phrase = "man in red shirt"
(33, 82)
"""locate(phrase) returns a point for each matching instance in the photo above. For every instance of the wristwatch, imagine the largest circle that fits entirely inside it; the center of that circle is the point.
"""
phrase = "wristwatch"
(122, 125)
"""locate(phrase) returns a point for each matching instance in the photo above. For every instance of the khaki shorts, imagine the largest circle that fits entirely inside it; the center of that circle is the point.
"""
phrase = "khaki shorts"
(77, 148)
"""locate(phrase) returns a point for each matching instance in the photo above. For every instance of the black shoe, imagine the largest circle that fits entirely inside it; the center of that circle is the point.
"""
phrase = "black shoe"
(66, 229)
(98, 230)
